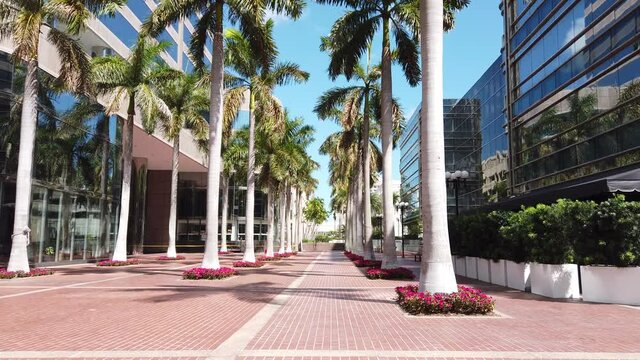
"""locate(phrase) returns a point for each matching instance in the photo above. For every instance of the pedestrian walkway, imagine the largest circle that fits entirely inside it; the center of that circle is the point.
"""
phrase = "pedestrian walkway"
(313, 306)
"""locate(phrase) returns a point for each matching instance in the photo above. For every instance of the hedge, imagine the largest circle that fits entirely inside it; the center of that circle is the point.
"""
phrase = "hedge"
(567, 231)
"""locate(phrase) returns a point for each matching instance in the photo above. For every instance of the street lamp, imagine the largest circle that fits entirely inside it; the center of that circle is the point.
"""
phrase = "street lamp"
(402, 205)
(456, 178)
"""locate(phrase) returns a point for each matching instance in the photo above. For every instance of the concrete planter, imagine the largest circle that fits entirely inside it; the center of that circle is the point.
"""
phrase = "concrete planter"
(461, 265)
(471, 267)
(608, 284)
(555, 281)
(498, 272)
(484, 271)
(518, 275)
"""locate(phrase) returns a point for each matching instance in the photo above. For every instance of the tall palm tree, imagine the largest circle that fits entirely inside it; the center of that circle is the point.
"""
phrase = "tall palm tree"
(249, 16)
(60, 21)
(436, 269)
(133, 81)
(257, 72)
(350, 37)
(187, 101)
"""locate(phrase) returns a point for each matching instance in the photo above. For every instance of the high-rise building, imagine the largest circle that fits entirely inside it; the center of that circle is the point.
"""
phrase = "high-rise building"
(77, 171)
(555, 116)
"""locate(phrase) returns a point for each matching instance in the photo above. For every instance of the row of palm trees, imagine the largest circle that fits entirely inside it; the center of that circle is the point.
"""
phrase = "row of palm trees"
(170, 100)
(417, 30)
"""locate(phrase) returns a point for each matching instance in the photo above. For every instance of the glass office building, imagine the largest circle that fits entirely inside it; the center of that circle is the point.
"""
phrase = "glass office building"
(574, 75)
(558, 115)
(476, 141)
(75, 199)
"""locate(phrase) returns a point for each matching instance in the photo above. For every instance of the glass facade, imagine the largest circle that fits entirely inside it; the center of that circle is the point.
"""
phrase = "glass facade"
(76, 173)
(476, 140)
(192, 212)
(574, 90)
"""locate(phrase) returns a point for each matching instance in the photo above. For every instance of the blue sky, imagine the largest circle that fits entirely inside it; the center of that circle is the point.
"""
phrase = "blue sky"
(469, 50)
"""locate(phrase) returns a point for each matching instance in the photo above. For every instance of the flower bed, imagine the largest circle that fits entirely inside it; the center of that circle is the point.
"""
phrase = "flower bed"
(287, 254)
(167, 258)
(224, 252)
(352, 256)
(4, 274)
(467, 301)
(367, 263)
(118, 262)
(388, 274)
(248, 264)
(208, 274)
(264, 258)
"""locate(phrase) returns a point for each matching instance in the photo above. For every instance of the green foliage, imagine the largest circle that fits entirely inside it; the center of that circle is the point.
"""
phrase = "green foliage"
(315, 212)
(567, 231)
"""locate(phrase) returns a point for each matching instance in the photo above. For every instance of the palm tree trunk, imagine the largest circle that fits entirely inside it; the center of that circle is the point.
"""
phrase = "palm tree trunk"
(175, 164)
(270, 220)
(389, 260)
(347, 224)
(249, 254)
(225, 213)
(19, 259)
(290, 200)
(366, 183)
(301, 237)
(359, 212)
(120, 249)
(210, 259)
(436, 269)
(298, 222)
(104, 212)
(283, 219)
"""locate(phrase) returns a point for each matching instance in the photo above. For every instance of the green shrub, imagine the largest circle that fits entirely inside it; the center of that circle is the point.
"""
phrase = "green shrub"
(567, 231)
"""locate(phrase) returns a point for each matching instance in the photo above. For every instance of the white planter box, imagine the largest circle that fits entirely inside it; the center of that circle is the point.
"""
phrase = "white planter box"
(484, 272)
(461, 265)
(518, 275)
(471, 267)
(498, 272)
(608, 284)
(555, 281)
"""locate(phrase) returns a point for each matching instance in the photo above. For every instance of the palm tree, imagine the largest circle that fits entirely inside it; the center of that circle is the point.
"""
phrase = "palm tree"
(22, 22)
(187, 101)
(257, 72)
(133, 80)
(249, 15)
(350, 38)
(436, 269)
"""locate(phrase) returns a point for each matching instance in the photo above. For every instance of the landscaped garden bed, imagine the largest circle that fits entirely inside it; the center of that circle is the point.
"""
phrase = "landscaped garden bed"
(264, 258)
(114, 263)
(4, 274)
(467, 301)
(367, 263)
(287, 254)
(224, 252)
(399, 273)
(208, 274)
(248, 264)
(168, 258)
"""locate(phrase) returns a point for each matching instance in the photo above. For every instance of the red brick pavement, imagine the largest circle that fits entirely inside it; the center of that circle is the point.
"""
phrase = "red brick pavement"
(335, 309)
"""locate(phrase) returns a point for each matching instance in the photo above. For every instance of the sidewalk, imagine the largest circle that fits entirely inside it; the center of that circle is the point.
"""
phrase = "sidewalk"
(313, 306)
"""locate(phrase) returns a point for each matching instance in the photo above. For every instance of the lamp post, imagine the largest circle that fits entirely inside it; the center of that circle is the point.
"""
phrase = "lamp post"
(456, 178)
(402, 206)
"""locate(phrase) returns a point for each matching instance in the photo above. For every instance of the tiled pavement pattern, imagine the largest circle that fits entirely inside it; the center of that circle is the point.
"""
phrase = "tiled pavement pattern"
(300, 308)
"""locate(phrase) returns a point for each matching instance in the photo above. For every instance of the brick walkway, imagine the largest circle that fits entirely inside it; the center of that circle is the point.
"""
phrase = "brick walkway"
(313, 306)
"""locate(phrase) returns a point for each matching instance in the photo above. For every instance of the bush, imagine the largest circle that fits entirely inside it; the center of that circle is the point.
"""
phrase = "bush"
(352, 256)
(265, 258)
(367, 263)
(467, 301)
(4, 274)
(167, 258)
(208, 274)
(567, 231)
(248, 264)
(118, 262)
(390, 274)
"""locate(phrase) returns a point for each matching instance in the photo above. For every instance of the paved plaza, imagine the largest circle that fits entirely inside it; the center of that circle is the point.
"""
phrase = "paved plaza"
(313, 306)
